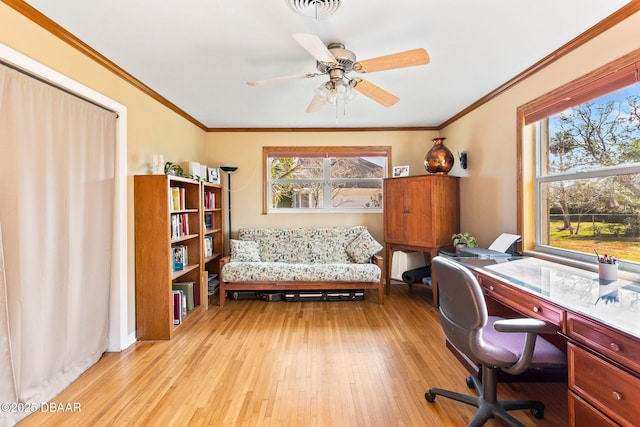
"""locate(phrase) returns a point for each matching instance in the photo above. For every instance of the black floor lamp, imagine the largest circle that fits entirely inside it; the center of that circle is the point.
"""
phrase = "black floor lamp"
(229, 170)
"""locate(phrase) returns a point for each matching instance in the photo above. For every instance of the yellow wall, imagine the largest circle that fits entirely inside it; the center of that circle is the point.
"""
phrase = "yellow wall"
(488, 134)
(244, 149)
(152, 128)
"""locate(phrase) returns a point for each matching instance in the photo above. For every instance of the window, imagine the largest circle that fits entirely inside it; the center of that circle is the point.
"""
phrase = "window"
(585, 172)
(325, 179)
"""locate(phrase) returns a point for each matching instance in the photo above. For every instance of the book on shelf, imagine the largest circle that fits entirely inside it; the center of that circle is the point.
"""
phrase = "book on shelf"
(184, 304)
(187, 289)
(179, 256)
(177, 307)
(208, 246)
(174, 198)
(184, 224)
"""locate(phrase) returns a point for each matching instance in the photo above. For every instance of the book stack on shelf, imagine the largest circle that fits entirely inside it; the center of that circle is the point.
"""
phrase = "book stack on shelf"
(180, 256)
(179, 225)
(188, 300)
(177, 197)
(213, 283)
(209, 199)
(208, 246)
(209, 221)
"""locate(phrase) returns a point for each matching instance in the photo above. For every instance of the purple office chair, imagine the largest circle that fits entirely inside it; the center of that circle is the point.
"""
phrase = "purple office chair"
(495, 343)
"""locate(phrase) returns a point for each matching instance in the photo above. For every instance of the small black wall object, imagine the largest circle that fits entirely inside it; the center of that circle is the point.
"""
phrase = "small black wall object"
(463, 159)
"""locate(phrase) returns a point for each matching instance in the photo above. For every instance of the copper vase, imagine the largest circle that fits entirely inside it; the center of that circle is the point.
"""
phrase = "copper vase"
(439, 159)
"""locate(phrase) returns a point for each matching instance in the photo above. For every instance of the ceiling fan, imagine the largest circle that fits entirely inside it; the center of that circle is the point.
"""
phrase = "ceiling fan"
(337, 62)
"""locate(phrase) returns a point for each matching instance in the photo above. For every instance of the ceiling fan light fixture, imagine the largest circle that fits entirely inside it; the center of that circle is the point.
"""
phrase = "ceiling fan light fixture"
(335, 92)
(314, 8)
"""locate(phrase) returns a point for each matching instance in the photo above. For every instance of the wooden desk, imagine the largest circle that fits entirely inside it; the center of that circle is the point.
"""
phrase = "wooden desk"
(600, 322)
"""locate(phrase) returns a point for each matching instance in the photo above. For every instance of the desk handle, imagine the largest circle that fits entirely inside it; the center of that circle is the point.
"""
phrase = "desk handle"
(615, 347)
(491, 288)
(537, 309)
(617, 395)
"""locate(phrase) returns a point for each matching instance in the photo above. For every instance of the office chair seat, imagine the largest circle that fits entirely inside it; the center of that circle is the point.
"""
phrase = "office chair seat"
(512, 345)
(545, 356)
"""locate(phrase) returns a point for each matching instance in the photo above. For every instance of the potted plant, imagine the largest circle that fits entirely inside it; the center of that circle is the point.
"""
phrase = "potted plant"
(464, 239)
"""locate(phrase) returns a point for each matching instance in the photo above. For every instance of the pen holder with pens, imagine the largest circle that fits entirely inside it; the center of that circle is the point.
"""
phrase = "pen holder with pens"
(607, 268)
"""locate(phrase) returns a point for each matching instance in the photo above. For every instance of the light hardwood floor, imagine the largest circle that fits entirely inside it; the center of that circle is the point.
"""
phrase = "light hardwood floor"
(257, 363)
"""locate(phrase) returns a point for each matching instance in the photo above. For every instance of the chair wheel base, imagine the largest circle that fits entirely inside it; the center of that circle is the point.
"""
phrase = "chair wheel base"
(536, 412)
(470, 382)
(489, 407)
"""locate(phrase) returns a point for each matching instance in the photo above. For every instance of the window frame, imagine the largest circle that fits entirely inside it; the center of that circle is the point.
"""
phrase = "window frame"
(320, 152)
(616, 75)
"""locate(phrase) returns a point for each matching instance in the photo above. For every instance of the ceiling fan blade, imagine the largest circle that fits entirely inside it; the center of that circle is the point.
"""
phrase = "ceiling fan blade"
(280, 79)
(315, 47)
(409, 58)
(374, 92)
(315, 105)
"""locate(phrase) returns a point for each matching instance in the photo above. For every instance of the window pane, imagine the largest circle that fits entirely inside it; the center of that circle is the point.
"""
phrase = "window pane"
(334, 179)
(356, 195)
(297, 168)
(599, 133)
(305, 195)
(595, 213)
(357, 167)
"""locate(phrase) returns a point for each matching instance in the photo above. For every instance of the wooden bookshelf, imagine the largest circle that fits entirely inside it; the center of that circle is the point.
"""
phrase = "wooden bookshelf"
(156, 234)
(212, 226)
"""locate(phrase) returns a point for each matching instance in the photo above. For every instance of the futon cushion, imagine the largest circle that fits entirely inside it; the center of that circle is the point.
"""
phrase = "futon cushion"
(303, 245)
(363, 247)
(244, 251)
(287, 272)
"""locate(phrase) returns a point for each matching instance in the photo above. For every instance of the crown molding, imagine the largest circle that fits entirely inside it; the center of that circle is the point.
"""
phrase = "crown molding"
(64, 35)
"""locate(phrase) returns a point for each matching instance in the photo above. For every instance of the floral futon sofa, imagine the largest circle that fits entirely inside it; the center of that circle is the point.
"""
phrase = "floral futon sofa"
(293, 259)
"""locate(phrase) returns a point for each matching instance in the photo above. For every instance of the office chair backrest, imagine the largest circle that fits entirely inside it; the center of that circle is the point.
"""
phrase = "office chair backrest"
(463, 311)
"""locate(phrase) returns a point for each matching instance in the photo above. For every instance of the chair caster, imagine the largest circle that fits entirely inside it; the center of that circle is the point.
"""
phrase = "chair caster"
(430, 396)
(470, 383)
(537, 413)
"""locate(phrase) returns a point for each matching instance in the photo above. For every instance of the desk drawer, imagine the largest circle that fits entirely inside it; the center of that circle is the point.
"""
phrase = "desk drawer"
(582, 414)
(608, 388)
(613, 344)
(525, 303)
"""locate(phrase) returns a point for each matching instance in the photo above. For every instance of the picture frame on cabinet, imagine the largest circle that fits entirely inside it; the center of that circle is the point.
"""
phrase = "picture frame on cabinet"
(213, 175)
(400, 171)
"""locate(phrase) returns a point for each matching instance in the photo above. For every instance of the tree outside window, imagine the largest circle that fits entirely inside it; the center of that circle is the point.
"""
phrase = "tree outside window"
(588, 178)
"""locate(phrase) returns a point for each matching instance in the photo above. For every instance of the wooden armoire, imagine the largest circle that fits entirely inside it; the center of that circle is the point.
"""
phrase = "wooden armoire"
(421, 213)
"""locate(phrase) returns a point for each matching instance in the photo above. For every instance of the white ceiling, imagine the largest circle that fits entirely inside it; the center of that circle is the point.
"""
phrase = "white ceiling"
(199, 55)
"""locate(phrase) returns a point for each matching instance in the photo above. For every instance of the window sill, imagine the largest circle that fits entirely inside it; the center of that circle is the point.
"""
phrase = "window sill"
(589, 266)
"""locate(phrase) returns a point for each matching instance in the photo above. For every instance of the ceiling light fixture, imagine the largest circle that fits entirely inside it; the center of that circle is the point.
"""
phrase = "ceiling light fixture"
(314, 8)
(337, 91)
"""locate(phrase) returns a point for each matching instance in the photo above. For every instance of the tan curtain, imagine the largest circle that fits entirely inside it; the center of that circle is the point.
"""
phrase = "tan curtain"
(57, 213)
